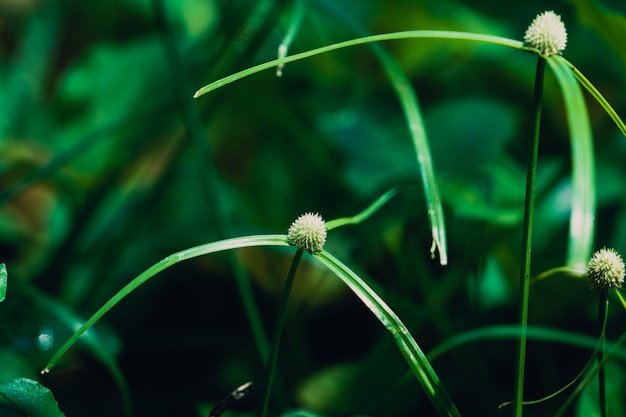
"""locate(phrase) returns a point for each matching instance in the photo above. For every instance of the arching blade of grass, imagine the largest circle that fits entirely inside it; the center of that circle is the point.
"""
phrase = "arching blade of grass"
(582, 222)
(414, 356)
(365, 214)
(411, 34)
(537, 333)
(598, 96)
(222, 245)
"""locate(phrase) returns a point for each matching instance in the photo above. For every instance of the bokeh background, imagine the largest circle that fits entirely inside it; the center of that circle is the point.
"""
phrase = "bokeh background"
(107, 165)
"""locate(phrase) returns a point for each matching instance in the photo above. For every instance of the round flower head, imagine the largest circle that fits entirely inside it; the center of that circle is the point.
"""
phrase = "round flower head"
(308, 232)
(605, 270)
(547, 34)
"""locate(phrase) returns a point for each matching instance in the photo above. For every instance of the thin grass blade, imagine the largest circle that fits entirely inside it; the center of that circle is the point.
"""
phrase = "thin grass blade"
(598, 96)
(4, 279)
(219, 246)
(365, 214)
(419, 364)
(412, 34)
(582, 221)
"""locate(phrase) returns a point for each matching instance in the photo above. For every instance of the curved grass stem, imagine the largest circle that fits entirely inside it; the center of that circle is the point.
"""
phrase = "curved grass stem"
(529, 209)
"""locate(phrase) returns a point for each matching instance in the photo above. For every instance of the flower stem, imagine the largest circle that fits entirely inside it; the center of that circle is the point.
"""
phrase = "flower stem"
(529, 209)
(280, 324)
(603, 306)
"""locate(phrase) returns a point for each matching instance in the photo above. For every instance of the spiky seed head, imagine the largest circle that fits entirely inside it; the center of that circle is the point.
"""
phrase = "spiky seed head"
(605, 270)
(308, 232)
(547, 34)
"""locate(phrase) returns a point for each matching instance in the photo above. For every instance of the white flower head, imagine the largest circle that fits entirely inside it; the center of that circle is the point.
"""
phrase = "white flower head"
(605, 270)
(547, 34)
(308, 232)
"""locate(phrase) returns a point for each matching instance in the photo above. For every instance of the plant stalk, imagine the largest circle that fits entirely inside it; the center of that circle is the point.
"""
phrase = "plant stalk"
(529, 211)
(603, 306)
(278, 331)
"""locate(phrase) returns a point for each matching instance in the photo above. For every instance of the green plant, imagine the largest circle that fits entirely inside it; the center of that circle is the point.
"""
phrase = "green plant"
(178, 172)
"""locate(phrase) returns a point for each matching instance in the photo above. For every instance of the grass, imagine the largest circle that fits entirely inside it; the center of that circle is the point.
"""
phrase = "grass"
(109, 164)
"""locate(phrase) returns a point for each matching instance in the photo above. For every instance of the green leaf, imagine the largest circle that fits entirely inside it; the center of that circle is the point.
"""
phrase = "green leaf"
(29, 397)
(582, 221)
(3, 282)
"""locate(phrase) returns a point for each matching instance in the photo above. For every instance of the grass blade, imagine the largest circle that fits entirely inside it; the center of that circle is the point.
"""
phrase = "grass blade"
(598, 96)
(411, 351)
(365, 214)
(537, 333)
(219, 246)
(411, 34)
(3, 282)
(582, 226)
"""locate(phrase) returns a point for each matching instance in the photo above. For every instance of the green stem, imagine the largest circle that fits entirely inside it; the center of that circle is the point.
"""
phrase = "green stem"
(280, 324)
(529, 209)
(603, 306)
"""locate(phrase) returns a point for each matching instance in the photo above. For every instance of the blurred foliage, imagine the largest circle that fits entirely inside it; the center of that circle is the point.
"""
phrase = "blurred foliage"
(108, 165)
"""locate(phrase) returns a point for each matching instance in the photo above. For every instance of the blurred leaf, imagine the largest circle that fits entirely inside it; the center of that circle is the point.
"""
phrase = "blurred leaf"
(14, 366)
(301, 413)
(587, 404)
(3, 282)
(468, 133)
(29, 397)
(607, 23)
(326, 386)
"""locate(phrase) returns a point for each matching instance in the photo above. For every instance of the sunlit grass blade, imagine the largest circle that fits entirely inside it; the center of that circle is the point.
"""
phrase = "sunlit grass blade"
(365, 214)
(219, 246)
(582, 222)
(598, 96)
(411, 34)
(411, 351)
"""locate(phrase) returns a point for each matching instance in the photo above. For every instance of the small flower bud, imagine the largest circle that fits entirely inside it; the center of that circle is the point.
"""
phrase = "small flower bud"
(605, 270)
(547, 34)
(308, 232)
